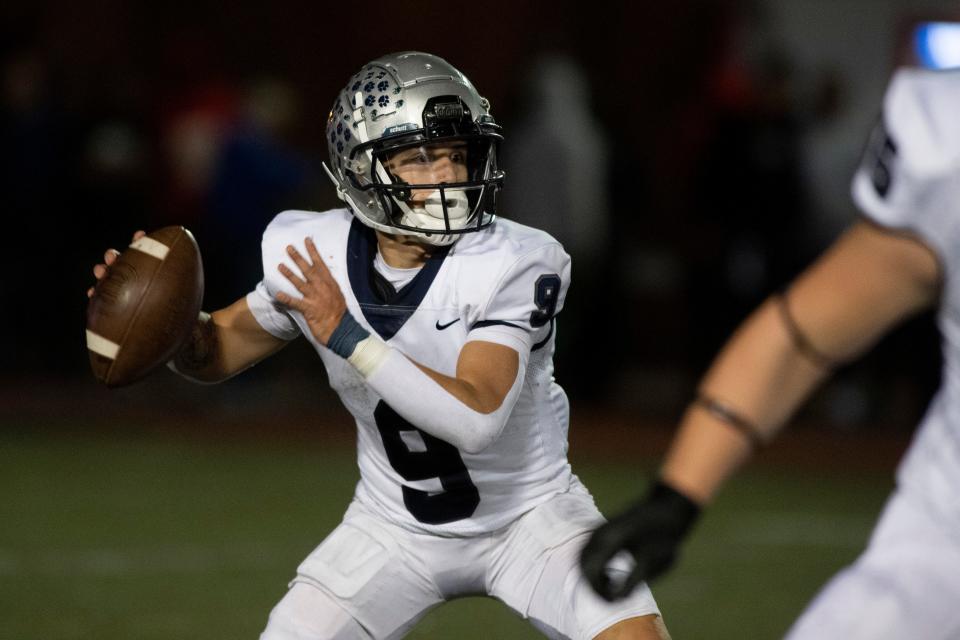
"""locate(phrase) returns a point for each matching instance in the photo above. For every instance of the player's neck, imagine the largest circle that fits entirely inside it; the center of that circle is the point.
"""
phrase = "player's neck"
(403, 252)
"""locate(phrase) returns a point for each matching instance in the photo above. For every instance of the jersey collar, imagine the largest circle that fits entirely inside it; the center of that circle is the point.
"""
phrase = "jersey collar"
(385, 309)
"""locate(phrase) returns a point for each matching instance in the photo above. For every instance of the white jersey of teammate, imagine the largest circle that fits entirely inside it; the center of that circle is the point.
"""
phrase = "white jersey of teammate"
(907, 583)
(910, 180)
(503, 284)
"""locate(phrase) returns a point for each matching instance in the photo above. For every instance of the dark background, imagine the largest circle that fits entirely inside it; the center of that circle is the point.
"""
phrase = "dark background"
(692, 156)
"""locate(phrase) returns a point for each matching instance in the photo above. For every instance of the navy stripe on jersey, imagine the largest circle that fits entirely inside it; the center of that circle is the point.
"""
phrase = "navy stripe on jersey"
(384, 308)
(543, 342)
(493, 323)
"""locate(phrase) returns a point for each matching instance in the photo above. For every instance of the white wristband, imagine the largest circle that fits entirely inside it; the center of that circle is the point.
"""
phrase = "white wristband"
(368, 355)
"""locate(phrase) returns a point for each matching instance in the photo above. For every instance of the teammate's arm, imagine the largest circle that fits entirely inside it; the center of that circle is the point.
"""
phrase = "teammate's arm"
(870, 280)
(468, 410)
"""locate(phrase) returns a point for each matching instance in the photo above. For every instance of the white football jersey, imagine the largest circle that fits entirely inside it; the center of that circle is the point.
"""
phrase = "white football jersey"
(503, 284)
(910, 180)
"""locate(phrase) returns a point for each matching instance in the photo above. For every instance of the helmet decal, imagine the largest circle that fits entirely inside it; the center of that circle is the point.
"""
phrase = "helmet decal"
(400, 128)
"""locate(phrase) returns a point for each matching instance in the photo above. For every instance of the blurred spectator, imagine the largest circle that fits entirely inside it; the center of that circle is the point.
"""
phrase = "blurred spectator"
(557, 163)
(750, 205)
(255, 174)
(192, 135)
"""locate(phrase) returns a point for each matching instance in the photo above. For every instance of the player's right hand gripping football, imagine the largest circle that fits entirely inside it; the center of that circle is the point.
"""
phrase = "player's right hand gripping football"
(109, 257)
(651, 531)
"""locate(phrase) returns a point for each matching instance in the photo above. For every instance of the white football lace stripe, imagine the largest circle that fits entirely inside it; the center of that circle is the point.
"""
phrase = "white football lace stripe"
(101, 346)
(151, 247)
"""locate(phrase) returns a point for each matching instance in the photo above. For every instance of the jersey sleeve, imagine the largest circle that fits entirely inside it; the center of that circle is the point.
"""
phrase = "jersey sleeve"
(270, 315)
(287, 227)
(909, 177)
(528, 295)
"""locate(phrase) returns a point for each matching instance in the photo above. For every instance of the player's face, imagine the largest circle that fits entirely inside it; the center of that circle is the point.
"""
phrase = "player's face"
(429, 164)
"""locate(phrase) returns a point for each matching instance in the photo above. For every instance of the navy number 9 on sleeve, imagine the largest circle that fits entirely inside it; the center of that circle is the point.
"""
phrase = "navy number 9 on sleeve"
(546, 294)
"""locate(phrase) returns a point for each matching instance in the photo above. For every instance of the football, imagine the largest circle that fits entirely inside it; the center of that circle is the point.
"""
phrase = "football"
(143, 310)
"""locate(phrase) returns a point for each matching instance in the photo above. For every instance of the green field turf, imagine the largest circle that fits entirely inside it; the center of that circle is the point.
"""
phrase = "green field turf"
(123, 537)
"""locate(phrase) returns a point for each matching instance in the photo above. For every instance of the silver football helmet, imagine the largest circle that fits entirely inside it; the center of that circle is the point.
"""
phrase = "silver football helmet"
(414, 101)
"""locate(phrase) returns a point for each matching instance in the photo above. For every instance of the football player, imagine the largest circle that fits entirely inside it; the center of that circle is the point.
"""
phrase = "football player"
(436, 324)
(901, 258)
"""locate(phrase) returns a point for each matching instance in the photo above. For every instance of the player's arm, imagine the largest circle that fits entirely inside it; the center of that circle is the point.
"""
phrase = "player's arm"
(485, 373)
(224, 343)
(869, 281)
(468, 410)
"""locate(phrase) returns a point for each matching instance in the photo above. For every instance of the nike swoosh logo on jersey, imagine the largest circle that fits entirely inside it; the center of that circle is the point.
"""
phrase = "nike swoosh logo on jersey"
(441, 327)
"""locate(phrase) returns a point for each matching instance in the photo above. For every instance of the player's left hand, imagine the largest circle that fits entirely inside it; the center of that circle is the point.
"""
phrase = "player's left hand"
(322, 304)
(651, 530)
(100, 270)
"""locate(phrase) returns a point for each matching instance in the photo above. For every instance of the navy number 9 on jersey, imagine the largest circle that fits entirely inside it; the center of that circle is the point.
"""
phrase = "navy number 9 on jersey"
(440, 459)
(546, 293)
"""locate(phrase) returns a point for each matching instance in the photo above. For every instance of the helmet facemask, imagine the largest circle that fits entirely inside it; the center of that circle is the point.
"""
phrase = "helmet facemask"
(437, 189)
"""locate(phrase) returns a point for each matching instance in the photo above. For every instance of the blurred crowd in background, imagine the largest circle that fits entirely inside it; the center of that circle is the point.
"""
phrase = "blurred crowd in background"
(692, 157)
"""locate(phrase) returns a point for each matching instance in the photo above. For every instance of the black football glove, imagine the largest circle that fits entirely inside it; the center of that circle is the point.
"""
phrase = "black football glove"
(651, 530)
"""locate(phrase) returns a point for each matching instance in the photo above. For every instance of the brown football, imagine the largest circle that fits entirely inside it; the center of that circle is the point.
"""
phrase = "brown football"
(143, 310)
